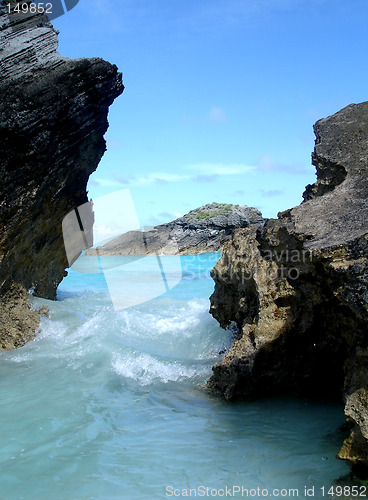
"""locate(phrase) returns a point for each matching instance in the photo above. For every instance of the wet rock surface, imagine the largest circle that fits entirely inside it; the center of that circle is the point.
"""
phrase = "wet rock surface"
(296, 289)
(53, 116)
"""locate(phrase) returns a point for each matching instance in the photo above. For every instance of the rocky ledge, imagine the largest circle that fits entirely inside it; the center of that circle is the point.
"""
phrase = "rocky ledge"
(53, 116)
(297, 288)
(204, 229)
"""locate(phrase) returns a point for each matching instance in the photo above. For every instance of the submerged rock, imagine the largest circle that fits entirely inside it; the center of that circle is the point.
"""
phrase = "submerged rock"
(53, 116)
(204, 229)
(297, 288)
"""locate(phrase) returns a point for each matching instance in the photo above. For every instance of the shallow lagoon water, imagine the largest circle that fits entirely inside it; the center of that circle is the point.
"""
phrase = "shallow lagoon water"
(108, 404)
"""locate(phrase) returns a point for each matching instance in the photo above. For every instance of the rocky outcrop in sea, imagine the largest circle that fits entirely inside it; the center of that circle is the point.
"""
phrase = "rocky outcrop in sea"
(296, 289)
(204, 229)
(53, 116)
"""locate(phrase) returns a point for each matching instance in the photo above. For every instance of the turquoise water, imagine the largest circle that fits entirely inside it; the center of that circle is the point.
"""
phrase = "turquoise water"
(110, 404)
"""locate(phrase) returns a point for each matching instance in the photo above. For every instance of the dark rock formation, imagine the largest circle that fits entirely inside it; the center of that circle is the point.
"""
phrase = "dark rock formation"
(53, 115)
(204, 229)
(297, 288)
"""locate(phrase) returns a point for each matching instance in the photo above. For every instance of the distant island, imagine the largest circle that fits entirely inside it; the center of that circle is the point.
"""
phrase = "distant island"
(204, 229)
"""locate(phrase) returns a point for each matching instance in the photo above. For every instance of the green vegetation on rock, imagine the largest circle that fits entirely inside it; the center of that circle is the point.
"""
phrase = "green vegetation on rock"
(212, 210)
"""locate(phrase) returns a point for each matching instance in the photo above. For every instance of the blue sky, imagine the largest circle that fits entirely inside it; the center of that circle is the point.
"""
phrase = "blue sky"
(220, 96)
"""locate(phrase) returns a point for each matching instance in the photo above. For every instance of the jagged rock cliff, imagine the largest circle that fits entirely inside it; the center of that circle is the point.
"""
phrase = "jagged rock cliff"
(297, 288)
(204, 229)
(53, 116)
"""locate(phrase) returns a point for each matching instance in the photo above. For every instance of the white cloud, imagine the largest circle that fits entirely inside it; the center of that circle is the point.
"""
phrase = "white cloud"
(141, 180)
(158, 177)
(220, 168)
(93, 182)
(205, 178)
(200, 172)
(268, 163)
(103, 182)
(121, 179)
(168, 177)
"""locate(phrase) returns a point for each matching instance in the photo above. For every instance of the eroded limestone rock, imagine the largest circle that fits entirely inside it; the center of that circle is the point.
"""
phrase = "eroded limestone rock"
(297, 288)
(53, 116)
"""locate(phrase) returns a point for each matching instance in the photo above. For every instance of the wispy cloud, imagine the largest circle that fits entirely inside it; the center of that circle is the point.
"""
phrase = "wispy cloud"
(93, 182)
(217, 115)
(220, 168)
(121, 179)
(205, 178)
(151, 178)
(268, 163)
(164, 217)
(200, 172)
(271, 193)
(103, 182)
